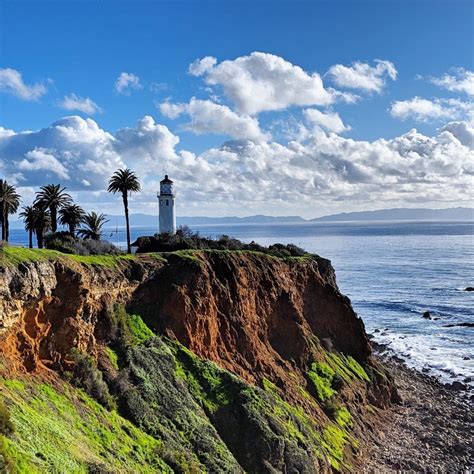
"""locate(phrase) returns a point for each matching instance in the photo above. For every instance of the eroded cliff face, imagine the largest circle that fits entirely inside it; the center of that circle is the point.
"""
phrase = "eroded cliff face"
(278, 324)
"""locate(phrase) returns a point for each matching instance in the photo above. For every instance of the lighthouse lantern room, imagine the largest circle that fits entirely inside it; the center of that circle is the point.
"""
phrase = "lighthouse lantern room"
(166, 198)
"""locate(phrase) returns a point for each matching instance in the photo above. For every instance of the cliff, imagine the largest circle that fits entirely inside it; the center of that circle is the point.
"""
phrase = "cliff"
(222, 361)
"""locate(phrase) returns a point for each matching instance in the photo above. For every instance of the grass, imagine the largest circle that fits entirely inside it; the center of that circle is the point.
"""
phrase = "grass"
(13, 256)
(109, 261)
(61, 429)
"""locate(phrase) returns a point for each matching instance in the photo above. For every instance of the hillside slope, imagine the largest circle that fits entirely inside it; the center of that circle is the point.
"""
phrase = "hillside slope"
(204, 361)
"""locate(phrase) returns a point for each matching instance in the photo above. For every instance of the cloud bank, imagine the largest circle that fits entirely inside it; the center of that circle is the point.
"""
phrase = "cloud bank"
(315, 171)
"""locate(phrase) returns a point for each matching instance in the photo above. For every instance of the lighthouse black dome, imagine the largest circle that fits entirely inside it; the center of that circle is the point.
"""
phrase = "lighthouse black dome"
(166, 180)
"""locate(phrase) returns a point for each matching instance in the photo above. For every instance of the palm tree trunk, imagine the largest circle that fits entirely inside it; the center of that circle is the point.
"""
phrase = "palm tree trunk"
(71, 229)
(7, 227)
(127, 223)
(2, 220)
(39, 237)
(54, 220)
(5, 224)
(30, 238)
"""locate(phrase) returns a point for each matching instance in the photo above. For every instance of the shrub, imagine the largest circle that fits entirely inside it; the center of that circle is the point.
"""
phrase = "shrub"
(6, 425)
(129, 329)
(87, 376)
(186, 239)
(66, 243)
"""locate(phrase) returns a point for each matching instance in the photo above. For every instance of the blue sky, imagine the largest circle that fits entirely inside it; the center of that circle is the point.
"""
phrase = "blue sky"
(82, 47)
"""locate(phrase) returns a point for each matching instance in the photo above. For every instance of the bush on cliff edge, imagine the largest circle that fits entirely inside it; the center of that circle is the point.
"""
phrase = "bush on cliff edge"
(186, 239)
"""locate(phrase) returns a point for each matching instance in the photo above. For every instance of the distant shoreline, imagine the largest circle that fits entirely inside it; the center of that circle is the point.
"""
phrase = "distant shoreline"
(459, 214)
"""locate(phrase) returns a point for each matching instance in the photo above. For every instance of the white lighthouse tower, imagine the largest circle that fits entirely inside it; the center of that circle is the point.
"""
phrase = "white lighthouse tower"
(167, 210)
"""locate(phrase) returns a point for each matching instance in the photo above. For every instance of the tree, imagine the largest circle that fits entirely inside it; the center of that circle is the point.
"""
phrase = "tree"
(42, 223)
(53, 197)
(9, 204)
(124, 181)
(94, 223)
(71, 215)
(29, 215)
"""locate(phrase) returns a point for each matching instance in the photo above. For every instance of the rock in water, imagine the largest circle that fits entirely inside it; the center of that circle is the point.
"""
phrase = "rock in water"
(427, 315)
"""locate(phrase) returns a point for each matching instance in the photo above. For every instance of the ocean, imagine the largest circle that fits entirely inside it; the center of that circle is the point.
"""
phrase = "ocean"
(393, 272)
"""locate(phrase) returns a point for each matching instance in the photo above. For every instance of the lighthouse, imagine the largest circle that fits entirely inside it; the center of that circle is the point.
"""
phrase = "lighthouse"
(166, 204)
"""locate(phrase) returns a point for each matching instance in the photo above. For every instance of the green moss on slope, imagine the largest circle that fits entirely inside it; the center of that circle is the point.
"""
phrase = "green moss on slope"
(61, 429)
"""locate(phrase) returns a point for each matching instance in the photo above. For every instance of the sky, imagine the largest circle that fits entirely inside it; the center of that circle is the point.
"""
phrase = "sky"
(273, 107)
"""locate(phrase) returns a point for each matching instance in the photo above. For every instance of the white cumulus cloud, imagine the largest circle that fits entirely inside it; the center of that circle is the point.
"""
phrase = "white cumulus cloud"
(461, 81)
(363, 76)
(83, 104)
(418, 108)
(208, 117)
(11, 81)
(317, 170)
(263, 82)
(40, 159)
(126, 82)
(330, 121)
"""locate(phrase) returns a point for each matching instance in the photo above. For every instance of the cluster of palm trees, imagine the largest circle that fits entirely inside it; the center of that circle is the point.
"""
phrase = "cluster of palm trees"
(53, 202)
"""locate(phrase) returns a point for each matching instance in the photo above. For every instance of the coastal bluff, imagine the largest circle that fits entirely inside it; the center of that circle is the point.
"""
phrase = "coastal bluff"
(192, 361)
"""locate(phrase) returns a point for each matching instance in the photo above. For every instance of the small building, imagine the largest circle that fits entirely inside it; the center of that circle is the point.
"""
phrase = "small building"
(167, 211)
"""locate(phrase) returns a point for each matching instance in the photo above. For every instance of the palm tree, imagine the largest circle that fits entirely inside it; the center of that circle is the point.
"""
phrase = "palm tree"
(29, 215)
(94, 223)
(9, 204)
(53, 197)
(42, 223)
(71, 215)
(124, 181)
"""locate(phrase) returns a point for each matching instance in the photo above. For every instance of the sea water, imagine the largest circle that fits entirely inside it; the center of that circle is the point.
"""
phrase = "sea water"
(393, 272)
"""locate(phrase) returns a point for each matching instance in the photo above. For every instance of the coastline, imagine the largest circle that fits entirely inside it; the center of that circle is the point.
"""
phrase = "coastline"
(429, 431)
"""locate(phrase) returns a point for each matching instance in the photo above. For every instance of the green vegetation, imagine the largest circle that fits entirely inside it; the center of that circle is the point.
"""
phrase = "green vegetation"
(113, 357)
(209, 385)
(6, 425)
(346, 367)
(321, 375)
(186, 239)
(334, 440)
(61, 429)
(131, 328)
(109, 261)
(343, 417)
(12, 256)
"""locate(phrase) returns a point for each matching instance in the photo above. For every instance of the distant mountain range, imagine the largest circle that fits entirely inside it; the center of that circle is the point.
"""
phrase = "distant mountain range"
(145, 220)
(453, 214)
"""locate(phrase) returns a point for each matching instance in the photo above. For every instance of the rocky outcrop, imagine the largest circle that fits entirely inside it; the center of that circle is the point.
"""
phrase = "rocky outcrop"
(268, 320)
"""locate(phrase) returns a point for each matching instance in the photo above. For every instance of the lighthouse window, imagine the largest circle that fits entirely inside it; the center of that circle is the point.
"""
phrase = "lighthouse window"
(167, 202)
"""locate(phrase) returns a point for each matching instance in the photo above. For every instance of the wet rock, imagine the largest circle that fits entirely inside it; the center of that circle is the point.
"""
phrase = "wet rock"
(456, 385)
(427, 315)
(466, 358)
(469, 288)
(464, 325)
